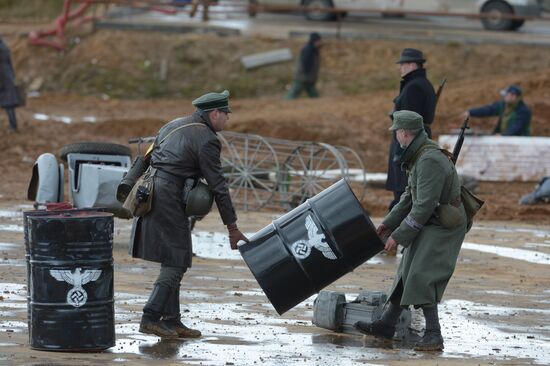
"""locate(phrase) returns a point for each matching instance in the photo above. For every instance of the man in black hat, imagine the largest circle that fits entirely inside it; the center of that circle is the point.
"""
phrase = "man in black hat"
(416, 94)
(514, 116)
(185, 148)
(307, 70)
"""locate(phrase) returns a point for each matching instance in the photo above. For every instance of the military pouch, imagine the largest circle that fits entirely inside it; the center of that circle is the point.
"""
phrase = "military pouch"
(472, 204)
(449, 216)
(140, 199)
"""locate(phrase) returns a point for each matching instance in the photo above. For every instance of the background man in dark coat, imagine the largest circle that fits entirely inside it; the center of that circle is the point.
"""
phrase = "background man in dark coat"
(416, 94)
(307, 69)
(9, 98)
(163, 235)
(430, 223)
(514, 116)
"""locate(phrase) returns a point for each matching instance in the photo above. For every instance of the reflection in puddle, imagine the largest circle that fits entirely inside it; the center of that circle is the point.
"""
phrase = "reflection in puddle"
(520, 254)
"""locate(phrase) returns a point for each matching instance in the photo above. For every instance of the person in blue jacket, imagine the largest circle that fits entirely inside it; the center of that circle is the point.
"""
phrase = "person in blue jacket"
(514, 116)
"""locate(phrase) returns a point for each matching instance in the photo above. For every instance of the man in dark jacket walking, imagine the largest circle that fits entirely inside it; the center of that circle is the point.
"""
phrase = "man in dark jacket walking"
(416, 94)
(514, 116)
(9, 98)
(307, 70)
(163, 235)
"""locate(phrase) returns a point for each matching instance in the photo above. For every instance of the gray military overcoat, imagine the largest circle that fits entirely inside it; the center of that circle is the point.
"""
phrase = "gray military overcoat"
(430, 250)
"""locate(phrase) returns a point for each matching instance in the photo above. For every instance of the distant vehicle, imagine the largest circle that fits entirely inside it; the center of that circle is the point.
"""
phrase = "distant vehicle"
(495, 14)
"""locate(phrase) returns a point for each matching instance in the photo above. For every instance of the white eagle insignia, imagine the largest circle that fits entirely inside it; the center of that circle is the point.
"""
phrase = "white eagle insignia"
(302, 248)
(76, 296)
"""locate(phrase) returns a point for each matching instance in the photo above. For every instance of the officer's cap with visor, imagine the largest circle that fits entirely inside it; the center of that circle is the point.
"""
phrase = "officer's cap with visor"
(211, 101)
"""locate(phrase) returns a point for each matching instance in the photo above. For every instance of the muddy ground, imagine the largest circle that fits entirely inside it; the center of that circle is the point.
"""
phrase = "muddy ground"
(496, 310)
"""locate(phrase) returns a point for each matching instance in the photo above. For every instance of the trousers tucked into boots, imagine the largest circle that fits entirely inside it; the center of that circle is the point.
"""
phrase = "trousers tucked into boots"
(166, 284)
(172, 316)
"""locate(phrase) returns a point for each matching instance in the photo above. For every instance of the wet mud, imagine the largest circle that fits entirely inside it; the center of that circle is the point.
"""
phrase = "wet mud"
(496, 309)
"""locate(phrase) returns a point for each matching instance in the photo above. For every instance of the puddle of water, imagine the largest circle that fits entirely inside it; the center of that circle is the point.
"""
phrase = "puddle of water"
(12, 325)
(11, 227)
(8, 344)
(5, 213)
(8, 246)
(474, 329)
(513, 253)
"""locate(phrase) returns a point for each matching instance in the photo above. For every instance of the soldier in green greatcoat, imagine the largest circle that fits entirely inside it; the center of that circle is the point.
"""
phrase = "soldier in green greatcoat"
(430, 223)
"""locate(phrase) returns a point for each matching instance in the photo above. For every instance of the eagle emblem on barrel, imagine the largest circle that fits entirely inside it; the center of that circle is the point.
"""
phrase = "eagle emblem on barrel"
(302, 248)
(76, 296)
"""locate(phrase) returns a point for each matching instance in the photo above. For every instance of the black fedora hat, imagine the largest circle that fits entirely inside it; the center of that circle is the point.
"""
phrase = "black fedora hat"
(411, 55)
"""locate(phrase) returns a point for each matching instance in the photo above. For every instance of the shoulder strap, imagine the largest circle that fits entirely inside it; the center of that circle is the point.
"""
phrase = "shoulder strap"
(419, 152)
(179, 128)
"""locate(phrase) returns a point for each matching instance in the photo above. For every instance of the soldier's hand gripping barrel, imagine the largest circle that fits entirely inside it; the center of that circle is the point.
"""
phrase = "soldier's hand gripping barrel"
(312, 246)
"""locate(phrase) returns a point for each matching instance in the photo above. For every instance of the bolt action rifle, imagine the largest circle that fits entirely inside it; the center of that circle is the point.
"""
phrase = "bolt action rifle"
(460, 140)
(472, 204)
(440, 90)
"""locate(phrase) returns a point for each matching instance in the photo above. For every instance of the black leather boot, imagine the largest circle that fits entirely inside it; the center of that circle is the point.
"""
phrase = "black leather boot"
(172, 317)
(377, 328)
(431, 341)
(150, 321)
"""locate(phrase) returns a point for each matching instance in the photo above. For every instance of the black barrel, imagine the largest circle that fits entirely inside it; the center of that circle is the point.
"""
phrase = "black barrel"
(311, 246)
(70, 280)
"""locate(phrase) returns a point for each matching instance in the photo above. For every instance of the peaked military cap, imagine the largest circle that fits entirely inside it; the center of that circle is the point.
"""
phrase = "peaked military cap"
(411, 55)
(210, 101)
(407, 120)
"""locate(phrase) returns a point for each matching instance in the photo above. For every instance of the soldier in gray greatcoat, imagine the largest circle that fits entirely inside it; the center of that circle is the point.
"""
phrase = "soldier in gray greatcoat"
(9, 98)
(430, 223)
(163, 235)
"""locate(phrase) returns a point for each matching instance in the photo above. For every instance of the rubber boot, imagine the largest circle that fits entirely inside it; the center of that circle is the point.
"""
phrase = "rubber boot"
(150, 321)
(172, 317)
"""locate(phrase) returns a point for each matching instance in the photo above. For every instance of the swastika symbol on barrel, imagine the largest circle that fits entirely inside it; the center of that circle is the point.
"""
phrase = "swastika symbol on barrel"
(301, 249)
(316, 239)
(76, 296)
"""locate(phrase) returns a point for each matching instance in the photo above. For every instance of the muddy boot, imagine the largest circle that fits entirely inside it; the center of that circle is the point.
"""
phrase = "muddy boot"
(172, 317)
(383, 327)
(150, 321)
(377, 328)
(431, 341)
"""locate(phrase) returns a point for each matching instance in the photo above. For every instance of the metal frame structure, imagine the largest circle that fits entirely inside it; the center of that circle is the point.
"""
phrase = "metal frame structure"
(271, 173)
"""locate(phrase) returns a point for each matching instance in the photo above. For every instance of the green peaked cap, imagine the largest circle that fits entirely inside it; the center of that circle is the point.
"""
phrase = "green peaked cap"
(210, 101)
(407, 120)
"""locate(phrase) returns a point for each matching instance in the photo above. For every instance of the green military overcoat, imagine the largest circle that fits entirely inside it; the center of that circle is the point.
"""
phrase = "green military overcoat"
(430, 250)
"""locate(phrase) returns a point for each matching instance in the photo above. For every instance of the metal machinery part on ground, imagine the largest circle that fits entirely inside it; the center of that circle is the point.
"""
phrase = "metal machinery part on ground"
(331, 311)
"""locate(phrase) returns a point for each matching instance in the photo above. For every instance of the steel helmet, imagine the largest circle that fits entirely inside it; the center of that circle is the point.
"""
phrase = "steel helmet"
(199, 200)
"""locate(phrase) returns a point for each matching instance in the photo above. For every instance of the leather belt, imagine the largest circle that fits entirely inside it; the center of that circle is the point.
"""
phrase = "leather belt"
(177, 180)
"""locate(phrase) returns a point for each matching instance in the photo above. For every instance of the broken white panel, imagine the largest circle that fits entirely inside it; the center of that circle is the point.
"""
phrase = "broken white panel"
(266, 58)
(502, 158)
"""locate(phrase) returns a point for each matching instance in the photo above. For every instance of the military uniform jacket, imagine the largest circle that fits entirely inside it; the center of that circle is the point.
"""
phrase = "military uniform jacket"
(163, 235)
(430, 250)
(8, 92)
(416, 94)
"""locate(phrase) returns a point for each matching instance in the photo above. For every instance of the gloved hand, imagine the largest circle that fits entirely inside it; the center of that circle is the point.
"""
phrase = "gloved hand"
(235, 235)
(383, 231)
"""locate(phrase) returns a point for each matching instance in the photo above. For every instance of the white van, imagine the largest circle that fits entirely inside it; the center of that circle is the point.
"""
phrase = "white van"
(495, 14)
